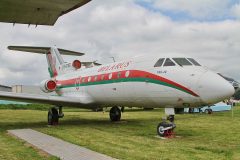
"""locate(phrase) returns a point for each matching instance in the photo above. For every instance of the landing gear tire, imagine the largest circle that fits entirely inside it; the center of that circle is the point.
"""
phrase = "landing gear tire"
(165, 129)
(115, 114)
(160, 130)
(53, 116)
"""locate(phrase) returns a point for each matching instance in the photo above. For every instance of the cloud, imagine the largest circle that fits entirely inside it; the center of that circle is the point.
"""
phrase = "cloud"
(194, 10)
(200, 9)
(235, 11)
(122, 29)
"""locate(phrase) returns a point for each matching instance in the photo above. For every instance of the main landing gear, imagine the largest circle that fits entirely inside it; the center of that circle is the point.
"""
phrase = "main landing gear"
(165, 129)
(54, 114)
(115, 114)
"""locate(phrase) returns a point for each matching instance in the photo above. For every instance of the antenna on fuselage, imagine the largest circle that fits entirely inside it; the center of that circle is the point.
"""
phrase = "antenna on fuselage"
(113, 59)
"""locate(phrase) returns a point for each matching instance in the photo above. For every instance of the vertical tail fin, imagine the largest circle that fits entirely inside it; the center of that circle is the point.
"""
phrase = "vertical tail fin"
(53, 55)
(55, 62)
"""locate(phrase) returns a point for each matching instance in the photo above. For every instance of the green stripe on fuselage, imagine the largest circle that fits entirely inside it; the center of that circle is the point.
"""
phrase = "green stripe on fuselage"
(147, 80)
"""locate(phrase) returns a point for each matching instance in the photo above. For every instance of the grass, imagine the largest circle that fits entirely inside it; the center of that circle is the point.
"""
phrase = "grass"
(15, 149)
(199, 136)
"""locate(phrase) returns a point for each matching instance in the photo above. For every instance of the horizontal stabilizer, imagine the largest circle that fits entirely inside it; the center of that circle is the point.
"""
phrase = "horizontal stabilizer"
(43, 50)
(91, 63)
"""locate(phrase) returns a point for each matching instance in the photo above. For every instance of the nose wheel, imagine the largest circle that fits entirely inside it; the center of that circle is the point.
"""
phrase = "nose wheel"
(115, 114)
(165, 129)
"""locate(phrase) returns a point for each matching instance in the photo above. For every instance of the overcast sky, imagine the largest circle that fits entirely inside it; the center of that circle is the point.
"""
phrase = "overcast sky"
(208, 30)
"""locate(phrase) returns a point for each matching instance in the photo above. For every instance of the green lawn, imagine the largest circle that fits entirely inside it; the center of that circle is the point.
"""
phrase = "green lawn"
(199, 136)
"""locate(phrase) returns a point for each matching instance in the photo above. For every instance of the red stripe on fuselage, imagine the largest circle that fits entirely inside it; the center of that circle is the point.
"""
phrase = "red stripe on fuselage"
(133, 74)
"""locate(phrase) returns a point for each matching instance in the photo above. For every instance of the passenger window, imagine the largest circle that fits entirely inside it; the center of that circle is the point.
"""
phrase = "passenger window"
(127, 74)
(194, 62)
(169, 62)
(119, 75)
(83, 80)
(159, 62)
(95, 78)
(110, 76)
(89, 79)
(182, 61)
(102, 77)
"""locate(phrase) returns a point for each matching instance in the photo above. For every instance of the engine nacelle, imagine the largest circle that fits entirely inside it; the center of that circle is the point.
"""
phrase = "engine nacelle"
(48, 86)
(77, 64)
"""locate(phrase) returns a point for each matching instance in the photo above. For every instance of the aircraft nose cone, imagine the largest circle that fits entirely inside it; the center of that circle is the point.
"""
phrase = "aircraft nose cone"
(213, 88)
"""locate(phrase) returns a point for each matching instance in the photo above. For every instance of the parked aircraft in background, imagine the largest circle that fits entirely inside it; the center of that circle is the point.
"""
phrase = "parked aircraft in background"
(152, 82)
(44, 12)
(234, 83)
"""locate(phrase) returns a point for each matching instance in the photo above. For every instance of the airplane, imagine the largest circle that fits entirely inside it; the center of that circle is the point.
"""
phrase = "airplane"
(162, 81)
(44, 12)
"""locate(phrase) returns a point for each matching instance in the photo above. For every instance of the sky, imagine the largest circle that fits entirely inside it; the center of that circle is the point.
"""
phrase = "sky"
(207, 30)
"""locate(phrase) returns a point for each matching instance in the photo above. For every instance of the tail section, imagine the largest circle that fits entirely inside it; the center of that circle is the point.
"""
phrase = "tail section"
(56, 64)
(55, 61)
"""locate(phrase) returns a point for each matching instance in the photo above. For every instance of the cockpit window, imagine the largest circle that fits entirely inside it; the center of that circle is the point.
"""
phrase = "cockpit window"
(169, 62)
(159, 62)
(194, 62)
(182, 61)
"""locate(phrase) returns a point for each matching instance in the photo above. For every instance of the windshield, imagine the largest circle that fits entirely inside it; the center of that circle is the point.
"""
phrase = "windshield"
(159, 62)
(182, 61)
(194, 62)
(169, 62)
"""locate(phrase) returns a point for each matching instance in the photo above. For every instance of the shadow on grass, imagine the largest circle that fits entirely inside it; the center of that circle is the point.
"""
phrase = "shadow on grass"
(67, 122)
(132, 127)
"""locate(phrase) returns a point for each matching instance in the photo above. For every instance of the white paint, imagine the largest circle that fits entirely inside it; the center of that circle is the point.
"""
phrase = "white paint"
(175, 86)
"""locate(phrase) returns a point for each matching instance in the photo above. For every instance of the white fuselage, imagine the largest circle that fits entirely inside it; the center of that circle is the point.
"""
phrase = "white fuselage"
(137, 83)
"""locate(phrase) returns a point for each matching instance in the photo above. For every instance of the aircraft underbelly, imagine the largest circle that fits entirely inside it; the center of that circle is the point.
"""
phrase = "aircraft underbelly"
(160, 95)
(135, 94)
(79, 93)
(112, 93)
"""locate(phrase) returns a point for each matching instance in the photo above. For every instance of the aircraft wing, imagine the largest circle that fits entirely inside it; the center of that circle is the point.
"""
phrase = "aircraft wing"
(53, 100)
(43, 12)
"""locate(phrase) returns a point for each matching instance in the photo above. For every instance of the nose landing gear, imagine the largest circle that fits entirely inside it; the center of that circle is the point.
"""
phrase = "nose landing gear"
(165, 129)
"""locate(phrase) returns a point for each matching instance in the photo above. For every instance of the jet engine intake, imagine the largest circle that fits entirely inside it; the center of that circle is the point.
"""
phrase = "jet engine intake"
(77, 64)
(48, 86)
